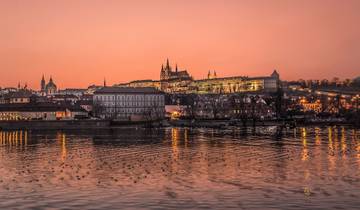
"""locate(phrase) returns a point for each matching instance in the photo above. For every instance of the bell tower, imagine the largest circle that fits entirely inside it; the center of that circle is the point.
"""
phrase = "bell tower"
(42, 84)
(162, 72)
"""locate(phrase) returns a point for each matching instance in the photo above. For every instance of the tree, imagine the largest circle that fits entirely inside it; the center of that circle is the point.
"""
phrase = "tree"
(98, 109)
(153, 112)
(238, 106)
(216, 105)
(279, 95)
(356, 82)
(191, 102)
(335, 81)
(324, 104)
(253, 105)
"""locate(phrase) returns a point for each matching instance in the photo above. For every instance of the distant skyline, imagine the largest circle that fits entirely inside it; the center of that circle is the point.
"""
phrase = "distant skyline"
(79, 42)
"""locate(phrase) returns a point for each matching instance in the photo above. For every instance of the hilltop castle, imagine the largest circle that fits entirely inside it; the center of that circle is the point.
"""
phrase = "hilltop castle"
(180, 81)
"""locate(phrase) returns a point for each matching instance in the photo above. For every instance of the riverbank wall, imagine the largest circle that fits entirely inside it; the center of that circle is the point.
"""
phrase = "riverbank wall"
(54, 124)
(108, 124)
(227, 123)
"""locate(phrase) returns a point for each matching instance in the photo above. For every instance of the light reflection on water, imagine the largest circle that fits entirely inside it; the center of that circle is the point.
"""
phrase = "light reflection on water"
(180, 168)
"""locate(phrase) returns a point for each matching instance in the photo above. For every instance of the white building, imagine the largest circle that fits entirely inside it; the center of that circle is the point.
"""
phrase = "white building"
(129, 103)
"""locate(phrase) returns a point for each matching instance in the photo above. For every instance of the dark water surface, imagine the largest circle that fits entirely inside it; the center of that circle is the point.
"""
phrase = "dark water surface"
(314, 168)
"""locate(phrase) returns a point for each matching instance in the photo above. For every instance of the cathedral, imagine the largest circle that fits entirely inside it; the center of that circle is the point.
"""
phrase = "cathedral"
(211, 76)
(48, 89)
(167, 73)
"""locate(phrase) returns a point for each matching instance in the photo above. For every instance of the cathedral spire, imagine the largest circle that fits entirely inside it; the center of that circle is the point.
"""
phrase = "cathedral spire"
(167, 63)
(104, 82)
(176, 68)
(42, 83)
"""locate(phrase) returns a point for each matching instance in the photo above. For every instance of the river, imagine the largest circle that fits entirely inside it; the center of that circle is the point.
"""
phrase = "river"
(181, 168)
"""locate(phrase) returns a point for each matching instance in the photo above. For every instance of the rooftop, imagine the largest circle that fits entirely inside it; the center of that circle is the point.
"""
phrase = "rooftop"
(73, 90)
(37, 107)
(139, 90)
(19, 94)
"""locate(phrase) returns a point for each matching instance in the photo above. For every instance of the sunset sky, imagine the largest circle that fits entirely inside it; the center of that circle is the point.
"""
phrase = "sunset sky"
(79, 42)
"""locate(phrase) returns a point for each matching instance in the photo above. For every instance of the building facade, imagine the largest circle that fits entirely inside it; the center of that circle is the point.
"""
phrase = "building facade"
(19, 97)
(126, 103)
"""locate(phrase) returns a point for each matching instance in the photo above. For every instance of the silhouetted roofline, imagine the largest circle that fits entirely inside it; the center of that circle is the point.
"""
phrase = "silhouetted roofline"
(38, 107)
(128, 90)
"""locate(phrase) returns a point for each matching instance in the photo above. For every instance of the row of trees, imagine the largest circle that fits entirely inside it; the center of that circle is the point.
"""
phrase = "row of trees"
(238, 106)
(335, 82)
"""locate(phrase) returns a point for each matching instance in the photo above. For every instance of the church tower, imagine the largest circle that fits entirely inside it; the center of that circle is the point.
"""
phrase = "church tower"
(275, 75)
(165, 72)
(168, 68)
(167, 64)
(42, 85)
(162, 72)
(211, 76)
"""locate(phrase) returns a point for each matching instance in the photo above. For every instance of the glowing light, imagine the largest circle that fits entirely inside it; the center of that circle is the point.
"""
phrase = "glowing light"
(317, 136)
(305, 152)
(343, 142)
(175, 115)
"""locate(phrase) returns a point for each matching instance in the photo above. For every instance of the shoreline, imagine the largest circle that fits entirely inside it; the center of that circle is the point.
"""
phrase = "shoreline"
(108, 124)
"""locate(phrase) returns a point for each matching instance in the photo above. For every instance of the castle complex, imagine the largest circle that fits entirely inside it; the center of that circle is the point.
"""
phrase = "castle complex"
(180, 81)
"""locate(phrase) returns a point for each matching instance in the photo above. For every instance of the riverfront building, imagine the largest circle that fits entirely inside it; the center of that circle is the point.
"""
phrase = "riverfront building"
(40, 111)
(124, 103)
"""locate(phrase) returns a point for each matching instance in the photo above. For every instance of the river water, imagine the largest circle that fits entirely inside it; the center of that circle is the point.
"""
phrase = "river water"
(178, 168)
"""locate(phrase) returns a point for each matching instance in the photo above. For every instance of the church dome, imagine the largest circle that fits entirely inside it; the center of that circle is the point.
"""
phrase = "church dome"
(51, 84)
(51, 87)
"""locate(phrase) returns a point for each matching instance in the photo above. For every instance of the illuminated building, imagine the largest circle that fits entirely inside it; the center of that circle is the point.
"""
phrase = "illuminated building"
(40, 111)
(315, 106)
(180, 81)
(212, 76)
(175, 111)
(142, 83)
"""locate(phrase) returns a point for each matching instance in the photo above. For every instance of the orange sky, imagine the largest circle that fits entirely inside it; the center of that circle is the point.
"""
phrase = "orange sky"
(79, 42)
